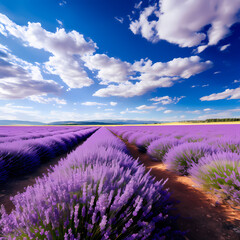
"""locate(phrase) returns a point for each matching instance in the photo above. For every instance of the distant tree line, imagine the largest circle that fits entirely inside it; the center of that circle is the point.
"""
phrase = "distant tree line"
(215, 120)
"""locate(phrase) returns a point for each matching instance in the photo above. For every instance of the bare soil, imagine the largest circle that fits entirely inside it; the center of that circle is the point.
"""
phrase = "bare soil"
(198, 211)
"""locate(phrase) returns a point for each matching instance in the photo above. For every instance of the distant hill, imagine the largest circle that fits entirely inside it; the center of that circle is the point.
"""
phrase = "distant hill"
(19, 122)
(102, 122)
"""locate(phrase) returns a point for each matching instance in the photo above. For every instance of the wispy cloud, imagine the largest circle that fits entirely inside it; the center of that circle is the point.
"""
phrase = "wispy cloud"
(222, 48)
(59, 22)
(62, 3)
(227, 94)
(167, 111)
(93, 104)
(160, 109)
(119, 19)
(133, 111)
(145, 107)
(46, 100)
(166, 100)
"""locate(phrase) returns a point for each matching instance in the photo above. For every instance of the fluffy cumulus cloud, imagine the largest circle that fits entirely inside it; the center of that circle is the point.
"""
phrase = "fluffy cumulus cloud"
(153, 75)
(145, 107)
(66, 49)
(183, 22)
(20, 79)
(108, 69)
(166, 100)
(227, 94)
(71, 56)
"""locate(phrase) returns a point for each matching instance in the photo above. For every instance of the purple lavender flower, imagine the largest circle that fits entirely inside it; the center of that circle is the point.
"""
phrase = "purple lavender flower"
(183, 156)
(158, 148)
(91, 194)
(219, 173)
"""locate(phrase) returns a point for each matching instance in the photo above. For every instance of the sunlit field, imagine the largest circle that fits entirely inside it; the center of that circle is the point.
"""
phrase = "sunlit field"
(99, 191)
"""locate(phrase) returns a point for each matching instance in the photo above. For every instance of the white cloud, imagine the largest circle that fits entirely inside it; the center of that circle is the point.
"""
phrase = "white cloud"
(62, 3)
(113, 103)
(20, 79)
(205, 85)
(166, 100)
(236, 81)
(93, 104)
(59, 22)
(229, 113)
(66, 49)
(168, 111)
(109, 69)
(144, 107)
(160, 109)
(182, 22)
(194, 112)
(46, 100)
(150, 76)
(108, 109)
(138, 5)
(132, 111)
(224, 47)
(13, 112)
(71, 55)
(227, 94)
(119, 19)
(207, 109)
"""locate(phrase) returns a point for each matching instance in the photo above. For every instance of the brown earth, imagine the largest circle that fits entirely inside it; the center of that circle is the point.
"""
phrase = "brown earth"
(199, 213)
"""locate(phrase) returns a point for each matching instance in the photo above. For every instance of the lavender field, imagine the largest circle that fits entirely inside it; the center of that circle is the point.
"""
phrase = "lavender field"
(99, 191)
(210, 154)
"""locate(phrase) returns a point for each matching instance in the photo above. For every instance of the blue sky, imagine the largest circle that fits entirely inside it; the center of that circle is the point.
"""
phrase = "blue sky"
(103, 59)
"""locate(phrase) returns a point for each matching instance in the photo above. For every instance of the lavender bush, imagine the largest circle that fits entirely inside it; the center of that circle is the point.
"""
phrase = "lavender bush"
(20, 157)
(180, 158)
(158, 148)
(144, 141)
(93, 194)
(226, 144)
(220, 174)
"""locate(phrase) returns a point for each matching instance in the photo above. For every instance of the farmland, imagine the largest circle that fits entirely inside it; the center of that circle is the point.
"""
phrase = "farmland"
(100, 186)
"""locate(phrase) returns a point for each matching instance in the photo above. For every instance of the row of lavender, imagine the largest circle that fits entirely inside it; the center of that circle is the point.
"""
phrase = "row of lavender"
(7, 131)
(97, 192)
(210, 154)
(16, 133)
(22, 156)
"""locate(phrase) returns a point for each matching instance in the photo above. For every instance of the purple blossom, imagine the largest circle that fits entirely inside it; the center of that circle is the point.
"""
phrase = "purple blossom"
(117, 189)
(219, 173)
(180, 158)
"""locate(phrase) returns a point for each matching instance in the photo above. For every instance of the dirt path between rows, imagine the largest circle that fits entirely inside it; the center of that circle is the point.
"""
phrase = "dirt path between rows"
(198, 211)
(13, 186)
